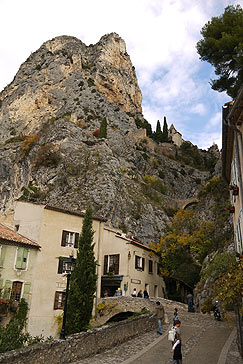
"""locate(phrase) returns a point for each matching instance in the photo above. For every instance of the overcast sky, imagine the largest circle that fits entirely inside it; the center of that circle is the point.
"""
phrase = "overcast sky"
(160, 36)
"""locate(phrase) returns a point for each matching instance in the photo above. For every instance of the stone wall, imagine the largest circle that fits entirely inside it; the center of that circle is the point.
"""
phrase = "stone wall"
(82, 345)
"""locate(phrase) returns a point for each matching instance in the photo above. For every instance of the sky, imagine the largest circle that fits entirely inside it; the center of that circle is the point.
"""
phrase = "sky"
(160, 36)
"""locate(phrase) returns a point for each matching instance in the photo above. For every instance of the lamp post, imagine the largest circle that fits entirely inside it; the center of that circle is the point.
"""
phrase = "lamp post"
(68, 267)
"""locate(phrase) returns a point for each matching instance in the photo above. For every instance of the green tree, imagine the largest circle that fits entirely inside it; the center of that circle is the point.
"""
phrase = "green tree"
(158, 136)
(165, 131)
(83, 280)
(103, 129)
(222, 46)
(12, 336)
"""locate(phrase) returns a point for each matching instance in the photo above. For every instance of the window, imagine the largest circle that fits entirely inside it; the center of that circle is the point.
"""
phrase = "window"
(59, 300)
(69, 239)
(150, 266)
(158, 269)
(60, 264)
(16, 291)
(21, 260)
(139, 262)
(111, 264)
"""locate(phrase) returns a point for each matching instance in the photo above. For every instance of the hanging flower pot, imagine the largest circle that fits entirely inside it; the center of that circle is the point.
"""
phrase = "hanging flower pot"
(236, 191)
(232, 209)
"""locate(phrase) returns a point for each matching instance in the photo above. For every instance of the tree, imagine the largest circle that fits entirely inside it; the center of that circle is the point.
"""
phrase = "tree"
(222, 46)
(157, 136)
(103, 129)
(165, 131)
(83, 280)
(184, 246)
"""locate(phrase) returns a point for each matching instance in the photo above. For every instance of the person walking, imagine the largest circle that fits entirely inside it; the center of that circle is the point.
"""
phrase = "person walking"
(145, 294)
(140, 294)
(134, 292)
(160, 313)
(176, 350)
(190, 302)
(175, 316)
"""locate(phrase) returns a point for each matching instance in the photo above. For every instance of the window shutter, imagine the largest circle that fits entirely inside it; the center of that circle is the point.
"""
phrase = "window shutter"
(19, 260)
(136, 261)
(7, 289)
(76, 240)
(56, 300)
(105, 264)
(24, 261)
(60, 265)
(2, 256)
(116, 268)
(26, 291)
(143, 263)
(64, 238)
(1, 283)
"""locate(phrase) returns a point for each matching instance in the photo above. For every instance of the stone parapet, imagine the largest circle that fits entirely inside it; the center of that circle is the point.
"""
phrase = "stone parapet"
(81, 345)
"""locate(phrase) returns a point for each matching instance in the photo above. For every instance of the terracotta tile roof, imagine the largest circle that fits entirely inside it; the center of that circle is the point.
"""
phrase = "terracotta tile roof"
(12, 236)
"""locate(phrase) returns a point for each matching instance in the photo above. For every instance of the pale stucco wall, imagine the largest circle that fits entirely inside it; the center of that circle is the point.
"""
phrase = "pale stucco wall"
(48, 225)
(9, 271)
(134, 277)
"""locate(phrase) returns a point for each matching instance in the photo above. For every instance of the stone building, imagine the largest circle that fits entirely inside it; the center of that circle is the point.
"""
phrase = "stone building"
(232, 162)
(57, 232)
(174, 136)
(123, 262)
(129, 264)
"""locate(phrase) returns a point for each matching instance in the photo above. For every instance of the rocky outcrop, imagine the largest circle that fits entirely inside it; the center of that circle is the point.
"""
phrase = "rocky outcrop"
(49, 151)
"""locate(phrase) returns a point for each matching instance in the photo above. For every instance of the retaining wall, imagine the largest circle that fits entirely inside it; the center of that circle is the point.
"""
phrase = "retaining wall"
(82, 345)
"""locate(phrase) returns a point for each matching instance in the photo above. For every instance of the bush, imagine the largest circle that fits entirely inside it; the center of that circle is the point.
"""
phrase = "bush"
(155, 183)
(28, 143)
(207, 305)
(47, 156)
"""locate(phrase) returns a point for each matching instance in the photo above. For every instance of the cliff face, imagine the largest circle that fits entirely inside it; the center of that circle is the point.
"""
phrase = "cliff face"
(49, 152)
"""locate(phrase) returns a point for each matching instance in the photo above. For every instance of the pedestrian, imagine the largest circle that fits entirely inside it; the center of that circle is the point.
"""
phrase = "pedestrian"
(175, 316)
(134, 292)
(176, 350)
(140, 294)
(145, 294)
(190, 302)
(160, 313)
(177, 326)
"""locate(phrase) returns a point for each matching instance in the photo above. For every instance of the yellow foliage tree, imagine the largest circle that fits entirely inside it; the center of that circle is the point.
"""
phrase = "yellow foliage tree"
(184, 246)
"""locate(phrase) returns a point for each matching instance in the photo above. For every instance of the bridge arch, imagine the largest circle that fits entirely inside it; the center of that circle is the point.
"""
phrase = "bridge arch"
(112, 308)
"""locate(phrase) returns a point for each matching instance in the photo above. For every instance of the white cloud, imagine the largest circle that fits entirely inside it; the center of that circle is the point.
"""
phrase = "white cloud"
(198, 109)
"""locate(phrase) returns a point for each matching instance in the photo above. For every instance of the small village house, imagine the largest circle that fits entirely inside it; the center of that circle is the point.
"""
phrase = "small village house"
(129, 264)
(17, 262)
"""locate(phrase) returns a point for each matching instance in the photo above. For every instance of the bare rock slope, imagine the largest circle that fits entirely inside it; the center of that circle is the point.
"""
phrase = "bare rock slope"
(49, 151)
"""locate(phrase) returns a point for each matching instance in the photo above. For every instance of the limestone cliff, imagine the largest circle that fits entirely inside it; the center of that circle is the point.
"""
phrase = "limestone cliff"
(50, 153)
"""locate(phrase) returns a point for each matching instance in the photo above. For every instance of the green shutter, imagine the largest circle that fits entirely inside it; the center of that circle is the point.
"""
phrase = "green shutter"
(1, 283)
(24, 261)
(26, 291)
(19, 260)
(7, 289)
(2, 256)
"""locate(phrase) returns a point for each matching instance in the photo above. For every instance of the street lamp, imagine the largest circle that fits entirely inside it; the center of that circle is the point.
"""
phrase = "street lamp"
(68, 267)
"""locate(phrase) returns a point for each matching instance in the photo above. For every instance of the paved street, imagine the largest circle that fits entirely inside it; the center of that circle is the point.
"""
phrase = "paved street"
(205, 341)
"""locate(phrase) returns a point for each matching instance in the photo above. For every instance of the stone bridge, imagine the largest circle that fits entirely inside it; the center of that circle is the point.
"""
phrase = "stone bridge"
(109, 307)
(183, 204)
